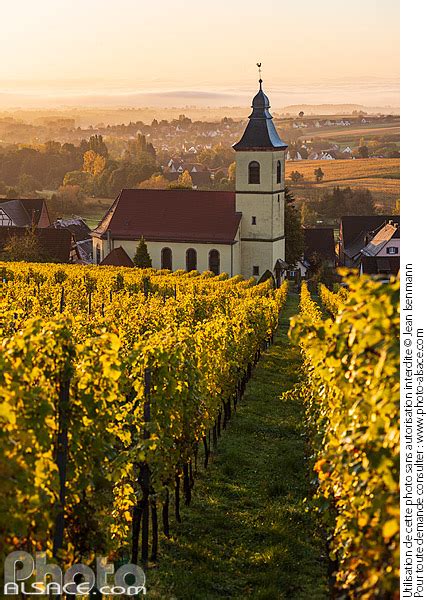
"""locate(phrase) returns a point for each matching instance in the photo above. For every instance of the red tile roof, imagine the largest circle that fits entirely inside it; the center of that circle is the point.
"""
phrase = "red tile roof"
(118, 258)
(172, 215)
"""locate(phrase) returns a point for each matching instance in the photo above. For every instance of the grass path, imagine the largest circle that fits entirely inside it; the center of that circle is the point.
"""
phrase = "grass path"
(246, 533)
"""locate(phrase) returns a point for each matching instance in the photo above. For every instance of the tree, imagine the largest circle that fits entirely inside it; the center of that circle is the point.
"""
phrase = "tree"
(140, 150)
(294, 238)
(296, 176)
(82, 179)
(319, 174)
(303, 152)
(142, 258)
(27, 184)
(93, 163)
(363, 151)
(301, 114)
(184, 182)
(333, 205)
(11, 193)
(232, 169)
(24, 247)
(69, 199)
(397, 207)
(308, 214)
(52, 147)
(155, 182)
(97, 144)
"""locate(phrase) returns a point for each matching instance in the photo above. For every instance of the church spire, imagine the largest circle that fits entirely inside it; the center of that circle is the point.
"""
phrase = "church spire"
(259, 66)
(260, 132)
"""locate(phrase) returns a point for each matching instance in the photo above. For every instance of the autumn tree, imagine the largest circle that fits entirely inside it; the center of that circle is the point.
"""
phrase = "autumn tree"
(93, 163)
(184, 182)
(155, 182)
(142, 258)
(232, 170)
(24, 247)
(397, 207)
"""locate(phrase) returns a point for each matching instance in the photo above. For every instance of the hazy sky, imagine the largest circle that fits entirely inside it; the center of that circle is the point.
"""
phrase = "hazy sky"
(308, 49)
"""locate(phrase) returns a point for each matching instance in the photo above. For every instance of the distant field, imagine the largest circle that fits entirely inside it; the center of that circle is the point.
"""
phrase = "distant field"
(347, 132)
(338, 170)
(349, 135)
(379, 175)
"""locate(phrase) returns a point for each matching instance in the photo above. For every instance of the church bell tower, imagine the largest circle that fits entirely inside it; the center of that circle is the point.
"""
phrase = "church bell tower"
(260, 165)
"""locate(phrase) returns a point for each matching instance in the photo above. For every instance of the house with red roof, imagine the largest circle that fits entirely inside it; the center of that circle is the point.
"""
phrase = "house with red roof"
(240, 232)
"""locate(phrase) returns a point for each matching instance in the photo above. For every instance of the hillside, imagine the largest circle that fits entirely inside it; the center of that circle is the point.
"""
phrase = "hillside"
(379, 175)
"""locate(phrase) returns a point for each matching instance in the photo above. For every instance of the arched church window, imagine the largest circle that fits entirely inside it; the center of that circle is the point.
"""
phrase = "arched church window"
(214, 261)
(191, 259)
(254, 172)
(166, 259)
(279, 171)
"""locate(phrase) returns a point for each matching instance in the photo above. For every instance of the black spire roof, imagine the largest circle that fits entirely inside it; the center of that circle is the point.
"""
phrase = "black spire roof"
(260, 132)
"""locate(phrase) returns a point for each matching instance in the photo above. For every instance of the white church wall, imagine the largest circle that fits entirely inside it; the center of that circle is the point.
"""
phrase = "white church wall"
(227, 253)
(255, 254)
(278, 251)
(259, 207)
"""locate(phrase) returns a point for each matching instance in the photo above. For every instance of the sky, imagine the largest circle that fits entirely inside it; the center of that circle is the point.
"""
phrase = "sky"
(319, 51)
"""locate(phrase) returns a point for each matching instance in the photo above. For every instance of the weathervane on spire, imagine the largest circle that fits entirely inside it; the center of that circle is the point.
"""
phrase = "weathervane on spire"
(259, 66)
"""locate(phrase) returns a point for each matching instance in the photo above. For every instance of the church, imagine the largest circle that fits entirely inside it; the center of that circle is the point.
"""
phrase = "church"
(239, 232)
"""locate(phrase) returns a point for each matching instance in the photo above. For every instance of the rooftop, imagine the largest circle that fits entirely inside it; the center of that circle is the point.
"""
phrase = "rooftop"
(260, 133)
(118, 258)
(172, 215)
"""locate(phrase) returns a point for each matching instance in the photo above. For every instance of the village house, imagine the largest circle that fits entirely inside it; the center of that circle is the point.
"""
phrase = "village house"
(375, 236)
(380, 268)
(24, 213)
(239, 232)
(81, 241)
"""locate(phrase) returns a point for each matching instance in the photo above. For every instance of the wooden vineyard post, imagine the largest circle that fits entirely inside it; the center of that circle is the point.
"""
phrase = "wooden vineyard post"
(165, 514)
(146, 286)
(145, 476)
(62, 303)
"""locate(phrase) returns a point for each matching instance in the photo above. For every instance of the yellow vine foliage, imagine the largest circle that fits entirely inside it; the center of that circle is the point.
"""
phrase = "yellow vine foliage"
(98, 331)
(332, 301)
(351, 394)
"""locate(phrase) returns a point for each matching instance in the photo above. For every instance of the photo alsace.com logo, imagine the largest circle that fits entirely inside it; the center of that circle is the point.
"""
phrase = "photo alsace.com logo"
(23, 575)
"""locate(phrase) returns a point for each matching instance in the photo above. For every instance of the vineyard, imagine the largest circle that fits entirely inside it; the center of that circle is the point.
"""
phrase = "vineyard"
(351, 397)
(115, 384)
